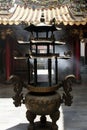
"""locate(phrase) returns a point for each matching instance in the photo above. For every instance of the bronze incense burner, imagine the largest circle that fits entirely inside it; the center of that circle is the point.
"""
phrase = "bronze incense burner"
(43, 98)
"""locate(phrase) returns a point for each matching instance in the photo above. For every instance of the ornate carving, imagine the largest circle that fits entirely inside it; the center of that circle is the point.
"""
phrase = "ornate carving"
(40, 101)
(43, 104)
(66, 84)
(18, 86)
(38, 3)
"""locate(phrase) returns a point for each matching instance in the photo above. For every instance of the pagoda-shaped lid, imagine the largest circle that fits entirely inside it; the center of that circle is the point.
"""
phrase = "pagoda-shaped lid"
(41, 28)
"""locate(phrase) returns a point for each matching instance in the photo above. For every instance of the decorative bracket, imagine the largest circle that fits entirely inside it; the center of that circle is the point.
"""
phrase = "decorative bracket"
(18, 87)
(66, 84)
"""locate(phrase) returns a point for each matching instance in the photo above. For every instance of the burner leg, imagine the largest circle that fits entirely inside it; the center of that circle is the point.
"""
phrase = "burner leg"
(55, 116)
(30, 117)
(43, 119)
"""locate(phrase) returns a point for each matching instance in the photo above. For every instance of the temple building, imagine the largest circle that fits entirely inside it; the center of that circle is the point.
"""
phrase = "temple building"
(43, 40)
(15, 16)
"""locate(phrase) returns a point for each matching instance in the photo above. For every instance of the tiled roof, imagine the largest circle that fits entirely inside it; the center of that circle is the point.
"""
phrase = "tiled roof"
(29, 15)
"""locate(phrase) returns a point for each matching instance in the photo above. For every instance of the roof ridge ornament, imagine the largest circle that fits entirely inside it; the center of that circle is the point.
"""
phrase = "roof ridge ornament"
(42, 19)
(5, 6)
(38, 3)
(78, 8)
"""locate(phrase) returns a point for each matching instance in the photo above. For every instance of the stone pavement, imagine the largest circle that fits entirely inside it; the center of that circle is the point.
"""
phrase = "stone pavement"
(75, 117)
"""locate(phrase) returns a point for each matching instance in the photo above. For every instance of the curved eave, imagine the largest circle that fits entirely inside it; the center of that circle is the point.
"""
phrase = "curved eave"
(30, 15)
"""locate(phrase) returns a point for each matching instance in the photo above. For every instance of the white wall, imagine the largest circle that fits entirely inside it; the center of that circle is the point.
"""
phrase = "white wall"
(82, 49)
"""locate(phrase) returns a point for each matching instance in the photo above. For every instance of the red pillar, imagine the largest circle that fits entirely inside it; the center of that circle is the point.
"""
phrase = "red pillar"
(8, 57)
(12, 45)
(77, 59)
